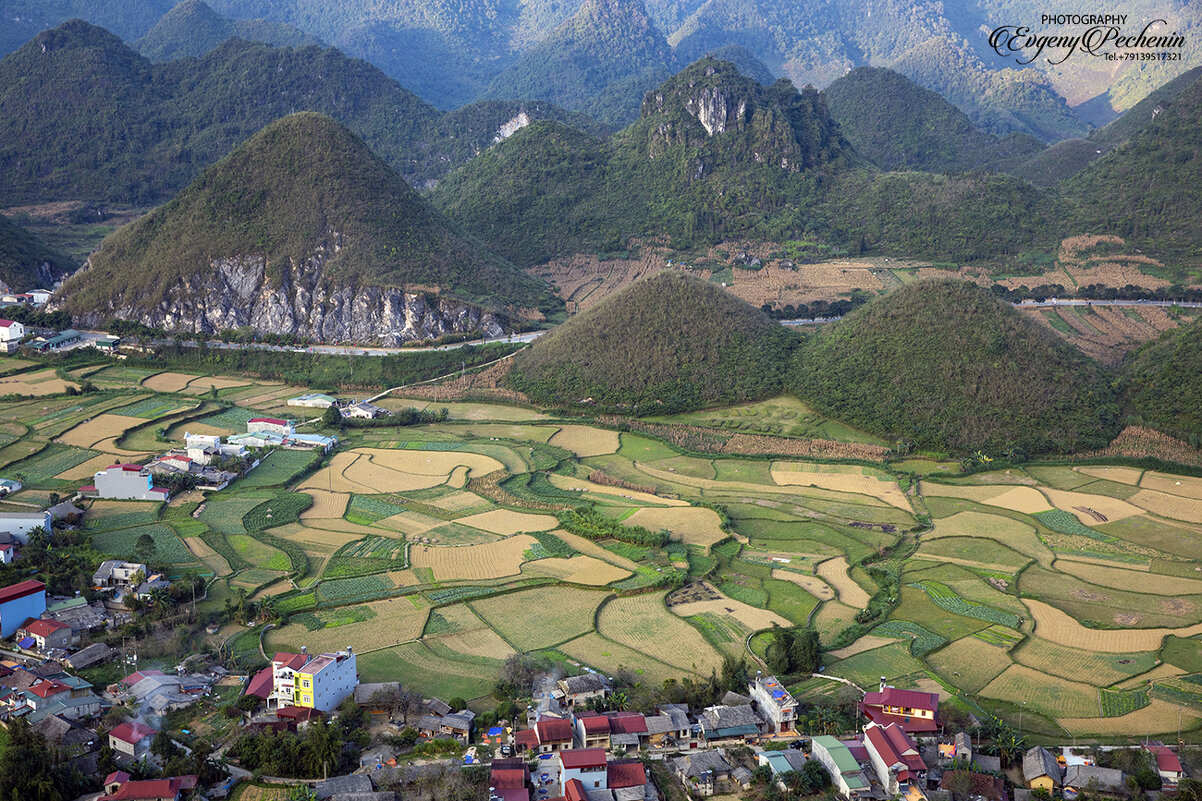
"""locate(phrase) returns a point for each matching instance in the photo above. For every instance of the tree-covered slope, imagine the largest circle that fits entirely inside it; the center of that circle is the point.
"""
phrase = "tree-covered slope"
(670, 342)
(27, 262)
(944, 365)
(303, 194)
(191, 28)
(1162, 382)
(606, 42)
(898, 125)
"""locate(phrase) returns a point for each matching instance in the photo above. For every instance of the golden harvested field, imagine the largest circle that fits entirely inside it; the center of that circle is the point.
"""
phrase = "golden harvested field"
(831, 618)
(1027, 500)
(87, 469)
(811, 584)
(99, 429)
(1123, 475)
(577, 570)
(1057, 626)
(540, 617)
(505, 522)
(1097, 669)
(466, 411)
(692, 525)
(403, 578)
(43, 382)
(481, 641)
(749, 616)
(201, 550)
(458, 501)
(1155, 718)
(325, 504)
(473, 562)
(338, 524)
(1165, 505)
(586, 440)
(412, 524)
(373, 470)
(168, 382)
(969, 663)
(1132, 580)
(1049, 694)
(101, 508)
(1159, 673)
(1021, 499)
(397, 620)
(205, 383)
(313, 538)
(590, 548)
(887, 491)
(1185, 486)
(1011, 533)
(608, 656)
(1088, 507)
(834, 573)
(643, 623)
(587, 487)
(866, 643)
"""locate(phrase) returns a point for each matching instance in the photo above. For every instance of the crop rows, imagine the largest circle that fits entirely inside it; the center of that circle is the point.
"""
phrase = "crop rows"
(373, 508)
(48, 463)
(277, 511)
(923, 641)
(1116, 703)
(550, 546)
(945, 598)
(998, 636)
(458, 594)
(153, 407)
(1067, 523)
(359, 588)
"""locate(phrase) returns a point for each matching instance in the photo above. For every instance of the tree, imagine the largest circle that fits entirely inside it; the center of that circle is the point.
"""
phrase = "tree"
(805, 654)
(331, 417)
(145, 550)
(457, 703)
(163, 746)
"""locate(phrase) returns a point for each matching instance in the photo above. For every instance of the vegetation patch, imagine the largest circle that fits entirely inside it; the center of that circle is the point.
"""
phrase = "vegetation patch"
(922, 641)
(946, 598)
(1067, 523)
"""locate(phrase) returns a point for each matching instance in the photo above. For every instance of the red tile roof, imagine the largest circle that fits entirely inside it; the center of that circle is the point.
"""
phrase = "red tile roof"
(1166, 760)
(294, 661)
(508, 778)
(553, 730)
(907, 722)
(627, 723)
(25, 588)
(137, 676)
(574, 791)
(132, 732)
(894, 746)
(582, 757)
(156, 788)
(262, 684)
(45, 689)
(5, 323)
(594, 724)
(44, 628)
(628, 773)
(129, 468)
(910, 699)
(526, 738)
(118, 776)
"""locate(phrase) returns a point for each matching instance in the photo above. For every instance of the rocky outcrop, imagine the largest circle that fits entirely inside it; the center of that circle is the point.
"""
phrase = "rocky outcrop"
(239, 292)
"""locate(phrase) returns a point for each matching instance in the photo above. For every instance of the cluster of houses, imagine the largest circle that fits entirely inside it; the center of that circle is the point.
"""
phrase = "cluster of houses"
(348, 408)
(271, 432)
(1069, 775)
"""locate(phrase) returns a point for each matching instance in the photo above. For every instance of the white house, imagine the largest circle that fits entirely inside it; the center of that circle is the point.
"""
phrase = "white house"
(585, 765)
(126, 482)
(315, 682)
(846, 775)
(204, 448)
(39, 297)
(8, 486)
(132, 739)
(257, 439)
(117, 573)
(11, 333)
(774, 703)
(271, 425)
(21, 524)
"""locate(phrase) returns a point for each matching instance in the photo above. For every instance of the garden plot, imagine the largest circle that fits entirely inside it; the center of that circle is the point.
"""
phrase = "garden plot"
(168, 382)
(1057, 626)
(225, 514)
(100, 431)
(505, 522)
(415, 665)
(834, 572)
(865, 643)
(122, 542)
(1093, 509)
(586, 441)
(325, 504)
(1129, 580)
(1185, 486)
(473, 562)
(971, 552)
(1010, 533)
(1157, 717)
(1166, 505)
(396, 620)
(811, 584)
(1096, 668)
(541, 617)
(588, 488)
(156, 406)
(201, 550)
(692, 525)
(104, 515)
(644, 624)
(832, 618)
(968, 664)
(206, 383)
(44, 464)
(43, 382)
(1027, 500)
(866, 668)
(590, 548)
(1051, 695)
(577, 570)
(788, 474)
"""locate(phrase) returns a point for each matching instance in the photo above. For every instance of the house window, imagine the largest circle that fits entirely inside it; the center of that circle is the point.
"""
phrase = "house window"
(305, 683)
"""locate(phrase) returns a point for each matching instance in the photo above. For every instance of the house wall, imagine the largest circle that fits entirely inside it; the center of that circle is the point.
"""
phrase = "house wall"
(21, 525)
(591, 778)
(883, 774)
(125, 485)
(14, 613)
(1042, 783)
(327, 688)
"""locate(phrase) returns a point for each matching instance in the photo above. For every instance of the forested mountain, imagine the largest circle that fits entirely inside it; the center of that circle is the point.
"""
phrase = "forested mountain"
(299, 230)
(686, 332)
(27, 262)
(82, 116)
(898, 125)
(716, 156)
(192, 29)
(942, 364)
(1161, 382)
(607, 43)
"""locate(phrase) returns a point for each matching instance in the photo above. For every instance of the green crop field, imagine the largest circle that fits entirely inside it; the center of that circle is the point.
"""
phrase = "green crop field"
(277, 511)
(155, 407)
(278, 468)
(866, 668)
(1116, 703)
(945, 598)
(225, 514)
(359, 588)
(922, 641)
(42, 467)
(1067, 523)
(168, 546)
(257, 553)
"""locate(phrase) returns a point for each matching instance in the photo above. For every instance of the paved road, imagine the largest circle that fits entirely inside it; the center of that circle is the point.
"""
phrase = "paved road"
(1032, 304)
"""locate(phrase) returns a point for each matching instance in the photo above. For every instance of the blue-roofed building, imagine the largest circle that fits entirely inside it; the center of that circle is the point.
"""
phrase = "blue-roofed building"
(311, 441)
(774, 704)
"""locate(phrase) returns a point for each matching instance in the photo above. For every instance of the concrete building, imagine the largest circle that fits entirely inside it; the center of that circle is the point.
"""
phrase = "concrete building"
(257, 439)
(845, 772)
(363, 411)
(586, 765)
(774, 704)
(320, 682)
(130, 482)
(206, 448)
(781, 762)
(895, 758)
(19, 603)
(118, 787)
(61, 340)
(1167, 763)
(309, 442)
(8, 486)
(117, 573)
(270, 425)
(131, 739)
(22, 524)
(11, 333)
(916, 712)
(44, 635)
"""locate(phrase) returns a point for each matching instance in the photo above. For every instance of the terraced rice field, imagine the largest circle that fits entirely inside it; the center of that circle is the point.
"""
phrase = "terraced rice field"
(969, 664)
(325, 504)
(1092, 509)
(371, 470)
(1122, 475)
(865, 669)
(1044, 693)
(36, 384)
(811, 584)
(541, 617)
(748, 616)
(1013, 534)
(834, 573)
(790, 474)
(506, 522)
(586, 441)
(168, 382)
(1054, 625)
(1156, 718)
(473, 562)
(608, 656)
(831, 618)
(100, 430)
(588, 488)
(577, 570)
(1097, 669)
(1185, 486)
(1130, 580)
(692, 525)
(643, 623)
(416, 665)
(396, 620)
(1166, 505)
